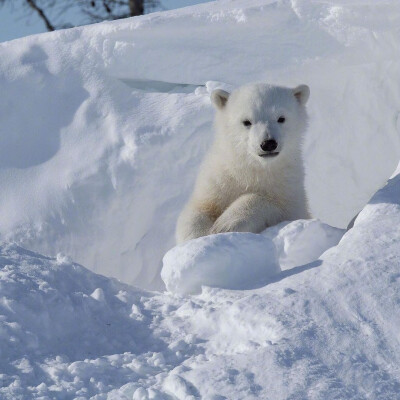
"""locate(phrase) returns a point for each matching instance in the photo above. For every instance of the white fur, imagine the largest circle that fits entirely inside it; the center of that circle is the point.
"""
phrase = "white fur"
(237, 189)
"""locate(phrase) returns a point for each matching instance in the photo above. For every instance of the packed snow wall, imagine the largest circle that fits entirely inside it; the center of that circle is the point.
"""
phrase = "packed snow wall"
(103, 127)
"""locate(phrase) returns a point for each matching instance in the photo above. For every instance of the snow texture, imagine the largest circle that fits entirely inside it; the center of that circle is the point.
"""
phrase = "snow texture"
(226, 260)
(245, 260)
(327, 329)
(302, 241)
(104, 179)
(102, 132)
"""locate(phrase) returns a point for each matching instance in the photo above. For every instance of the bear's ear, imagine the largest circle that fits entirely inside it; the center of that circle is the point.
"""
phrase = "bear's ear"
(302, 93)
(219, 98)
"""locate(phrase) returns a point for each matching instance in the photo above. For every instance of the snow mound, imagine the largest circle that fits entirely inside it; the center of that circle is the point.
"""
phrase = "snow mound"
(226, 260)
(66, 332)
(302, 241)
(245, 260)
(103, 127)
(102, 132)
(324, 330)
(48, 307)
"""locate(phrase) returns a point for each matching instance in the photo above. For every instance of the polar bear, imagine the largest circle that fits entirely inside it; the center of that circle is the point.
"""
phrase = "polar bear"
(253, 175)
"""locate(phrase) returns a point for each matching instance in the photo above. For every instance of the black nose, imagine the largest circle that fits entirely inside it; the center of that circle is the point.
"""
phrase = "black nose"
(269, 145)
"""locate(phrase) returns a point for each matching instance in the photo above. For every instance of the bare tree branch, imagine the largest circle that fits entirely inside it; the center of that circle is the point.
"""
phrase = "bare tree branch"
(136, 7)
(55, 13)
(42, 15)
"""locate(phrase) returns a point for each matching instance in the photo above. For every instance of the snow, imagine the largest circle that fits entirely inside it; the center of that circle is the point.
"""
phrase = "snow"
(136, 119)
(102, 131)
(226, 260)
(245, 260)
(327, 329)
(302, 241)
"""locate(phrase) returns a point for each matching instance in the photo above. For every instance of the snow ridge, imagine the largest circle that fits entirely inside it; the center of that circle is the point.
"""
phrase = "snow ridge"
(327, 329)
(136, 119)
(102, 132)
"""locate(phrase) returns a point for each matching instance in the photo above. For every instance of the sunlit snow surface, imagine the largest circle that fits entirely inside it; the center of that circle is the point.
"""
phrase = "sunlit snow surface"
(102, 127)
(101, 135)
(245, 260)
(323, 330)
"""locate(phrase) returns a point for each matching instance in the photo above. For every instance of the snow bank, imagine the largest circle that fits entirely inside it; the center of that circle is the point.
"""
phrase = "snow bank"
(325, 330)
(226, 260)
(53, 306)
(245, 260)
(303, 241)
(103, 127)
(102, 131)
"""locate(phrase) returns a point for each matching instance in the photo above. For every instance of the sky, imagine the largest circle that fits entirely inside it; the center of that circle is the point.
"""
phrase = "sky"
(17, 21)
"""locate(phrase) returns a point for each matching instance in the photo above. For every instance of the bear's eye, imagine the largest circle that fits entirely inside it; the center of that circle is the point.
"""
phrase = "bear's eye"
(281, 119)
(246, 123)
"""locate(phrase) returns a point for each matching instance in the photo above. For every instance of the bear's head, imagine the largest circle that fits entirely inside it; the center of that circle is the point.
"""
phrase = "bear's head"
(262, 120)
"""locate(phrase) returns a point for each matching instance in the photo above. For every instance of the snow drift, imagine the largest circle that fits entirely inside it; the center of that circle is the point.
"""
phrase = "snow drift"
(324, 330)
(102, 131)
(245, 260)
(103, 127)
(226, 260)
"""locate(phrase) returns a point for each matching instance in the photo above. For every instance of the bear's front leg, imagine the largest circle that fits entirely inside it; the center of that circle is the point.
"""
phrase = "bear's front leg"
(249, 213)
(192, 223)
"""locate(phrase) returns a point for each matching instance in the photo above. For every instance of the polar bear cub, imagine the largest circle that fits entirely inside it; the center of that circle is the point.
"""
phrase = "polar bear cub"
(253, 175)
